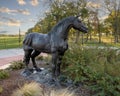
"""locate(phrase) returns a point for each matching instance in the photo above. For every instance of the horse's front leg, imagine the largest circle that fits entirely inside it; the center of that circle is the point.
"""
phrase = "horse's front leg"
(54, 64)
(59, 61)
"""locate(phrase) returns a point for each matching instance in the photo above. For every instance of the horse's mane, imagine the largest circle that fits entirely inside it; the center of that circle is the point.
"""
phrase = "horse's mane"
(61, 23)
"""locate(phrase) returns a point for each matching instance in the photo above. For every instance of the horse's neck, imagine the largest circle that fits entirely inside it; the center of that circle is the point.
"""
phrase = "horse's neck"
(63, 30)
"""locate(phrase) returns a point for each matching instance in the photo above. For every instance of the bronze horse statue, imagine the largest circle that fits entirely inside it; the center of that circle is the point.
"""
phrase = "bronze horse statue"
(55, 42)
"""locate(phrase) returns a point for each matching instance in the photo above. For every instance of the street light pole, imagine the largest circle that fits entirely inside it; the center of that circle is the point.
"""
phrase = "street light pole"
(19, 37)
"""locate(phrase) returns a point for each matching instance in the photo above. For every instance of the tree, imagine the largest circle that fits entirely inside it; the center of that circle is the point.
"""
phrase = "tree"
(58, 11)
(82, 10)
(113, 7)
(94, 20)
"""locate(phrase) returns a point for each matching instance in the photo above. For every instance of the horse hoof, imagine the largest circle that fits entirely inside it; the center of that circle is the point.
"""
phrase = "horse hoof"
(38, 69)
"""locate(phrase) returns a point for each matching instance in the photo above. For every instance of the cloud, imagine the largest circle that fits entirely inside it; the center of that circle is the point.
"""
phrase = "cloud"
(21, 2)
(9, 21)
(25, 12)
(1, 23)
(6, 10)
(2, 32)
(34, 2)
(10, 11)
(14, 23)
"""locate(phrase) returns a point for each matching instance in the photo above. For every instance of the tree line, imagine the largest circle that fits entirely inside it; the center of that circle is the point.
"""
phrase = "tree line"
(90, 12)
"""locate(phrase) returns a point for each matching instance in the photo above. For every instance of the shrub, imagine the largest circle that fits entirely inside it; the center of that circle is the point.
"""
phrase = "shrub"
(4, 74)
(106, 85)
(16, 65)
(93, 67)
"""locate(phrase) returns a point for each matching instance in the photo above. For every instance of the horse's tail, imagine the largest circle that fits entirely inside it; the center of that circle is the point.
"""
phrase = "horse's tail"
(27, 40)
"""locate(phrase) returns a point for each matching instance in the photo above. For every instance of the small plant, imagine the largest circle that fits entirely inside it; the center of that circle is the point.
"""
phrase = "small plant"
(1, 89)
(63, 92)
(31, 89)
(4, 74)
(16, 65)
(45, 58)
(39, 57)
(34, 89)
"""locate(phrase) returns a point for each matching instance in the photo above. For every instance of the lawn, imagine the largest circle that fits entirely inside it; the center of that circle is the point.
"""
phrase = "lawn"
(7, 42)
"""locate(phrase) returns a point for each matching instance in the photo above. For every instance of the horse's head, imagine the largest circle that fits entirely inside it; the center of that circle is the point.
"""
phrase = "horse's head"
(77, 24)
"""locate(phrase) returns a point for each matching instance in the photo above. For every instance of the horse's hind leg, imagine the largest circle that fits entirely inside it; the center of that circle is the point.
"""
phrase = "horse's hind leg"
(33, 55)
(27, 55)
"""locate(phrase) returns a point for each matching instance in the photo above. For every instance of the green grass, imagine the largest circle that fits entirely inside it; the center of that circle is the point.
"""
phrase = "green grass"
(105, 41)
(94, 43)
(7, 42)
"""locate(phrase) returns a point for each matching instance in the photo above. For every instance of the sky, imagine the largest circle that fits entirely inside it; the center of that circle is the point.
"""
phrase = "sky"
(24, 14)
(20, 14)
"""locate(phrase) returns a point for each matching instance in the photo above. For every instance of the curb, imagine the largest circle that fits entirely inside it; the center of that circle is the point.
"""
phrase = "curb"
(5, 66)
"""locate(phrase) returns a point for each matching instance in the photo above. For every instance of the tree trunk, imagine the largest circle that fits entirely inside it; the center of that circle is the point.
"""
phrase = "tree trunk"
(82, 39)
(77, 36)
(99, 35)
(98, 29)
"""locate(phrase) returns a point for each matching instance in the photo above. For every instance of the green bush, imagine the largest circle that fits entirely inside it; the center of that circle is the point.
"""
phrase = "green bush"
(94, 68)
(106, 85)
(4, 74)
(16, 65)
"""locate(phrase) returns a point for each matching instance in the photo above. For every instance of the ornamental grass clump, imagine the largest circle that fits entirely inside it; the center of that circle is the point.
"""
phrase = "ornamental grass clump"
(1, 89)
(62, 92)
(31, 89)
(34, 89)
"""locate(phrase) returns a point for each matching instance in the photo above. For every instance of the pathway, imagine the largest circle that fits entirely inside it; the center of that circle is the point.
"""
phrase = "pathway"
(9, 55)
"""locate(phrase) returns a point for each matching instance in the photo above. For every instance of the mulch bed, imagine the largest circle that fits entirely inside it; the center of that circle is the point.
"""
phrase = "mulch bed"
(16, 80)
(13, 82)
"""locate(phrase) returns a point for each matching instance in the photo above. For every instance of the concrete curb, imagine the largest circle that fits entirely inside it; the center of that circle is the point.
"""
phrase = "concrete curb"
(5, 66)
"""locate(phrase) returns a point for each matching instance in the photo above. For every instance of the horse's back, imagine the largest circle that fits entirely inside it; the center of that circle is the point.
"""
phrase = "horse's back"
(29, 38)
(35, 41)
